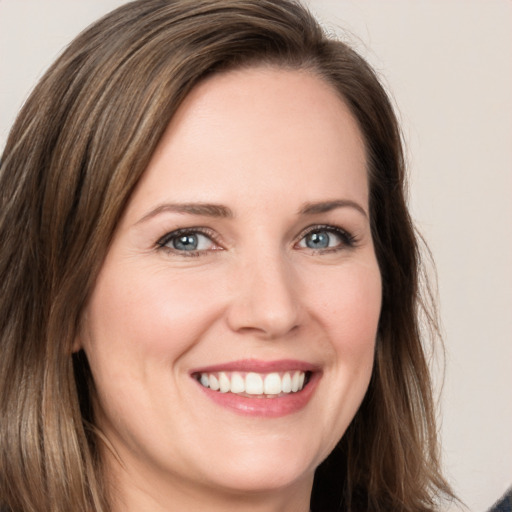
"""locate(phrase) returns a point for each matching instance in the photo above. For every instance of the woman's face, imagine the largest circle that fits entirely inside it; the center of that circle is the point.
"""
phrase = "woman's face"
(244, 261)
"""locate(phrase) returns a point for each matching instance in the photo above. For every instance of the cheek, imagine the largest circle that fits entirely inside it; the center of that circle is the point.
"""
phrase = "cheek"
(150, 311)
(349, 315)
(348, 309)
(137, 326)
(349, 306)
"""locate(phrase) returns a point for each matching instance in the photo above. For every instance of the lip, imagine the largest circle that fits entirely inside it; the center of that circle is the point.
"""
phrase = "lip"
(258, 366)
(259, 406)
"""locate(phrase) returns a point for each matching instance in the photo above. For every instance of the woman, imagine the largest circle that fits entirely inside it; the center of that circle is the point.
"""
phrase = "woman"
(210, 275)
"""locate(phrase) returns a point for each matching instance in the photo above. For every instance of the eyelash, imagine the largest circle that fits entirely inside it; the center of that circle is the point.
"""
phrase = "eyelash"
(169, 237)
(347, 239)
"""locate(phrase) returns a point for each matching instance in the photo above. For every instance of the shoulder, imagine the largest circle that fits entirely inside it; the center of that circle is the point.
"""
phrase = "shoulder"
(504, 504)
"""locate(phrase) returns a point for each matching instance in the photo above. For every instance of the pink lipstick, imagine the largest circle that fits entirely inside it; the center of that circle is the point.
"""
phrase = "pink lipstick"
(259, 388)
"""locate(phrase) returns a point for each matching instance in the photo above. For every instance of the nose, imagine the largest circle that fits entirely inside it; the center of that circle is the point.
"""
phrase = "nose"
(265, 299)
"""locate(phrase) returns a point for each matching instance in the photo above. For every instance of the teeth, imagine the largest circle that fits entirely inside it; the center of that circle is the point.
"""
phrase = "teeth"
(214, 382)
(272, 384)
(295, 382)
(252, 383)
(224, 383)
(237, 383)
(204, 380)
(287, 382)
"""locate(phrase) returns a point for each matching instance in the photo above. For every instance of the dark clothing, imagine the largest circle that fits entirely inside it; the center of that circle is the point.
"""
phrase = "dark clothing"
(504, 504)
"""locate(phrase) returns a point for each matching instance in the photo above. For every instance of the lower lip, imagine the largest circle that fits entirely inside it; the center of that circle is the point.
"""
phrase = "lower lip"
(265, 407)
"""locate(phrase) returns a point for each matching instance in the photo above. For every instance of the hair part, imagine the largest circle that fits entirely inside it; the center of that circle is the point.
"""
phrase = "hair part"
(72, 160)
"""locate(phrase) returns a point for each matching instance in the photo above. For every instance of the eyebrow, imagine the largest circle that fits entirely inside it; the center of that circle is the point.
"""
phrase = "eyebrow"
(221, 211)
(202, 209)
(327, 206)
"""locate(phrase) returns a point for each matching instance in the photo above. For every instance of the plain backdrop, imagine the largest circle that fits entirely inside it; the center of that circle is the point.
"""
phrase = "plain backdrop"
(448, 65)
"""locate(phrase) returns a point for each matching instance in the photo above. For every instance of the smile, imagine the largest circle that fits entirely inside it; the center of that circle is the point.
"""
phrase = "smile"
(253, 384)
(267, 389)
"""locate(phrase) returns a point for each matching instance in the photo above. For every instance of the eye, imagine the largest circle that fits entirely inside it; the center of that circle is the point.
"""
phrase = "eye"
(187, 241)
(326, 238)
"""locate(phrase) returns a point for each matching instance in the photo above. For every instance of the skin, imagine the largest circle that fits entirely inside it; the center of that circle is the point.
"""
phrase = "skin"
(263, 143)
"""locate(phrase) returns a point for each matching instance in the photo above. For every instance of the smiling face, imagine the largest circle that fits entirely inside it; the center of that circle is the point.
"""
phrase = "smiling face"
(231, 330)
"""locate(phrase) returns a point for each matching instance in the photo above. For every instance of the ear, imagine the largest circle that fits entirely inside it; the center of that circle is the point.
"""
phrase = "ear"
(77, 344)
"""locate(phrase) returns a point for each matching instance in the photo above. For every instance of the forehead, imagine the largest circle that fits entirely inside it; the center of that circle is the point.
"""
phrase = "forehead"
(258, 130)
(260, 99)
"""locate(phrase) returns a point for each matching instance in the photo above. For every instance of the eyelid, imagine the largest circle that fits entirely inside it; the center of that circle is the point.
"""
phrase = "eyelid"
(348, 239)
(207, 232)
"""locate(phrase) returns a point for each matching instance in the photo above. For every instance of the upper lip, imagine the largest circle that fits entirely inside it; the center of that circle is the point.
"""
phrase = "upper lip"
(259, 366)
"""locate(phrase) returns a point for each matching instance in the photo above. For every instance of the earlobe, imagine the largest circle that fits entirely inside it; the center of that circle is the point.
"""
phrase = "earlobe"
(77, 345)
(81, 334)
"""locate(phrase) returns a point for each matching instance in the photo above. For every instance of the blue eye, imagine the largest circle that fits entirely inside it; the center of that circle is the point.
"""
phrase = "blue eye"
(318, 240)
(322, 238)
(187, 241)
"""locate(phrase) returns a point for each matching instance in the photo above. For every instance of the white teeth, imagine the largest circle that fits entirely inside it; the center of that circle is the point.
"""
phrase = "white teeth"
(287, 383)
(214, 382)
(295, 381)
(272, 384)
(224, 383)
(237, 383)
(204, 380)
(252, 383)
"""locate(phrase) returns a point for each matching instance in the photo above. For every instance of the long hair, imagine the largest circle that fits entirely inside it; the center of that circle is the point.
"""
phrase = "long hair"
(77, 150)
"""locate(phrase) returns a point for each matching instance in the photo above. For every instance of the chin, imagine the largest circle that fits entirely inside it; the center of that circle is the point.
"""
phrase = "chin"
(266, 481)
(266, 471)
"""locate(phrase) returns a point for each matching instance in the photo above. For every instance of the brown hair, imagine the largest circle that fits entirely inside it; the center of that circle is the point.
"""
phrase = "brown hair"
(75, 154)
